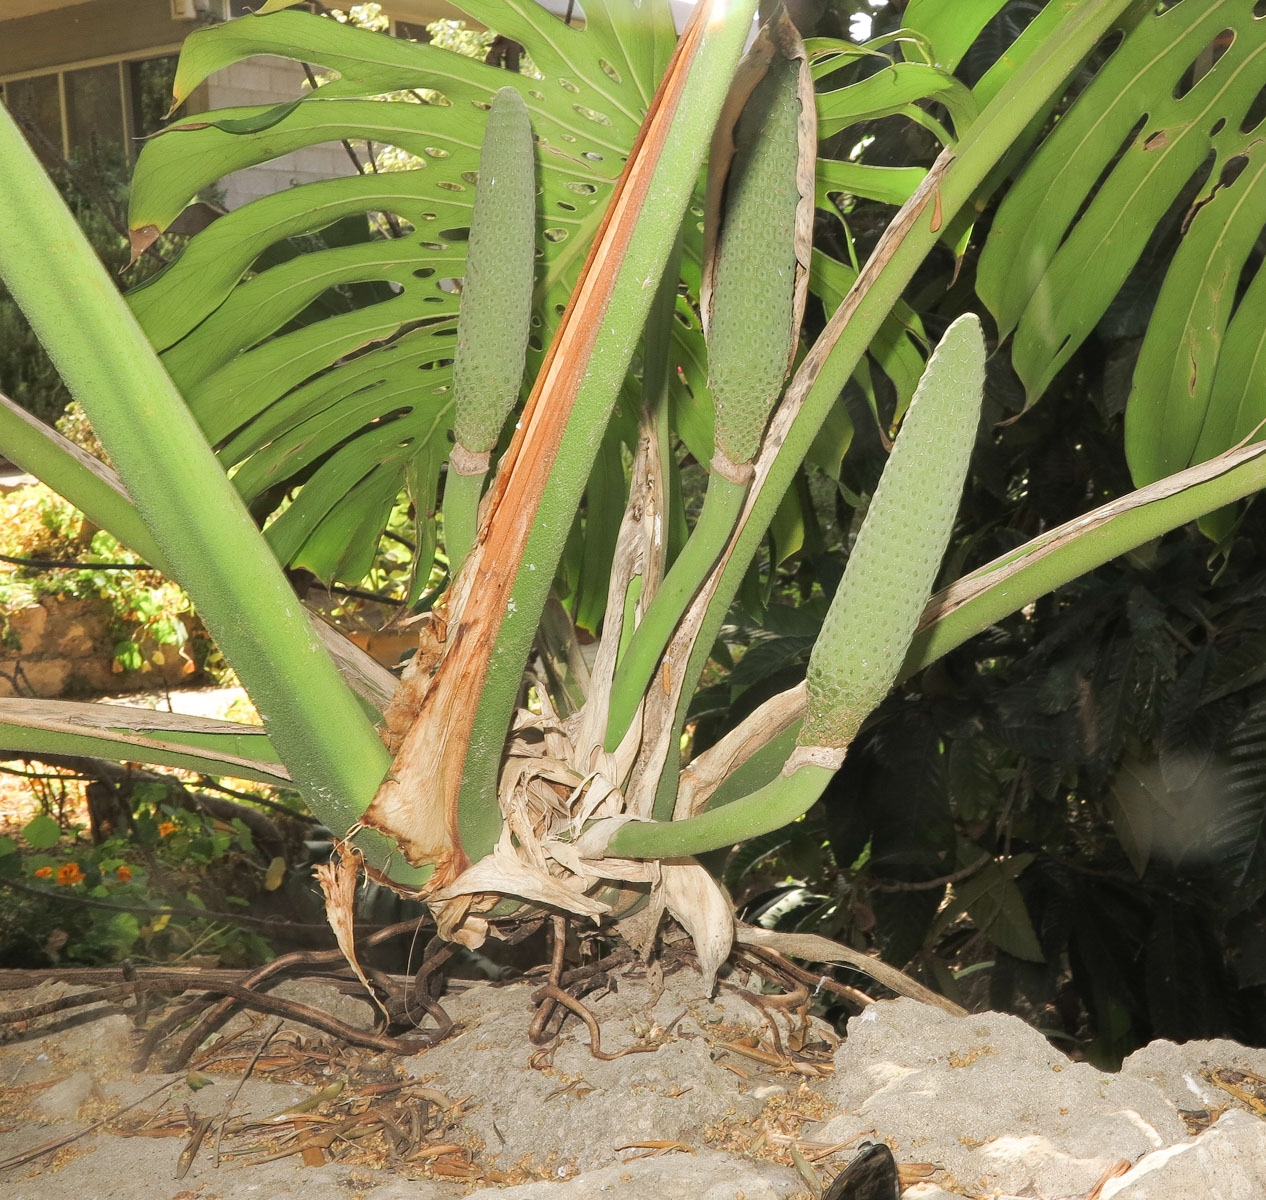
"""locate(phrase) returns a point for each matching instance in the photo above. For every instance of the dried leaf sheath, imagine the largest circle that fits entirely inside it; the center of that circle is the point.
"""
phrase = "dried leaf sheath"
(338, 880)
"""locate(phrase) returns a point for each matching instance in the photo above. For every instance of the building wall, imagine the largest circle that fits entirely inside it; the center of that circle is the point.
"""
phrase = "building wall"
(269, 80)
(83, 32)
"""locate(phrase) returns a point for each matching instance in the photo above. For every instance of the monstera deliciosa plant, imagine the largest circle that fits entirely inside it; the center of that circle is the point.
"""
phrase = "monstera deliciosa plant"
(585, 277)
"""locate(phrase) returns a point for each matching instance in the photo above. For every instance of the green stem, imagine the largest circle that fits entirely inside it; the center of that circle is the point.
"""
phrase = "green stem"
(28, 732)
(195, 515)
(58, 462)
(93, 488)
(657, 366)
(461, 514)
(647, 253)
(778, 803)
(722, 504)
(1079, 547)
(1007, 584)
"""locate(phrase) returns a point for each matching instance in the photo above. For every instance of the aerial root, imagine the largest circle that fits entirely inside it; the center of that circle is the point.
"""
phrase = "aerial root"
(219, 992)
(563, 992)
(568, 1001)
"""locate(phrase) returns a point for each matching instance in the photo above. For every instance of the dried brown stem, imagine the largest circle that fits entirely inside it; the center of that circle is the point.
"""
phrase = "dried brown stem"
(303, 1013)
(228, 1104)
(307, 1015)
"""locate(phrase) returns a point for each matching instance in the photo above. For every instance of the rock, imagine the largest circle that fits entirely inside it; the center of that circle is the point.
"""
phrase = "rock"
(573, 1111)
(105, 1041)
(26, 626)
(98, 1036)
(81, 636)
(63, 1100)
(983, 1097)
(1227, 1162)
(705, 1175)
(1176, 1070)
(46, 676)
(991, 1101)
(357, 1011)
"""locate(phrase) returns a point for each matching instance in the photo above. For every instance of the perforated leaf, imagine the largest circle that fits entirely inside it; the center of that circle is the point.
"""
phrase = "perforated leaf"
(349, 400)
(892, 91)
(1169, 125)
(950, 29)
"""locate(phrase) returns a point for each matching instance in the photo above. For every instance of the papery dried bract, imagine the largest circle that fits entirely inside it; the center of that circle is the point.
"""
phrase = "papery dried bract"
(505, 873)
(338, 879)
(696, 900)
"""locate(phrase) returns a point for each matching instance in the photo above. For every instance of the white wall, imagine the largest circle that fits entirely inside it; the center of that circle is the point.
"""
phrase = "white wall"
(269, 80)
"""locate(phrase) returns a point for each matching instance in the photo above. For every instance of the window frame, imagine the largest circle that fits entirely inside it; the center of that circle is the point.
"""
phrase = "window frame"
(121, 63)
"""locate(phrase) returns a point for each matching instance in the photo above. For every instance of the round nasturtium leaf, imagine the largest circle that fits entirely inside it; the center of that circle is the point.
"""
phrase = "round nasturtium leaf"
(42, 832)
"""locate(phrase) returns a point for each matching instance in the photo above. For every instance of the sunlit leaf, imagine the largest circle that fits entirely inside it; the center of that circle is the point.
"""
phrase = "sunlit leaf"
(1168, 125)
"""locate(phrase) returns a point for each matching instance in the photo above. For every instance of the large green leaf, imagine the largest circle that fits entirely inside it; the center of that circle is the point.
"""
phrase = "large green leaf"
(1169, 124)
(1200, 383)
(895, 90)
(895, 350)
(361, 394)
(313, 358)
(950, 29)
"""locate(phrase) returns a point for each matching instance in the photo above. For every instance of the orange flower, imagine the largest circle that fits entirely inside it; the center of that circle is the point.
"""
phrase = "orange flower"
(69, 873)
(44, 873)
(167, 827)
(124, 874)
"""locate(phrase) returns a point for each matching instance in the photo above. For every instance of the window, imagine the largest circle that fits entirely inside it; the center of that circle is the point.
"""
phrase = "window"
(36, 103)
(151, 82)
(95, 112)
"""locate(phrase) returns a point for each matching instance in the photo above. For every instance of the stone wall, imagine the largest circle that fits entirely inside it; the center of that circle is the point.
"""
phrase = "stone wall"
(65, 647)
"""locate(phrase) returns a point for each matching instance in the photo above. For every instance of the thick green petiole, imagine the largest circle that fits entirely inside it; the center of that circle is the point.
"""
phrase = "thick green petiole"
(1006, 585)
(619, 327)
(778, 803)
(51, 458)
